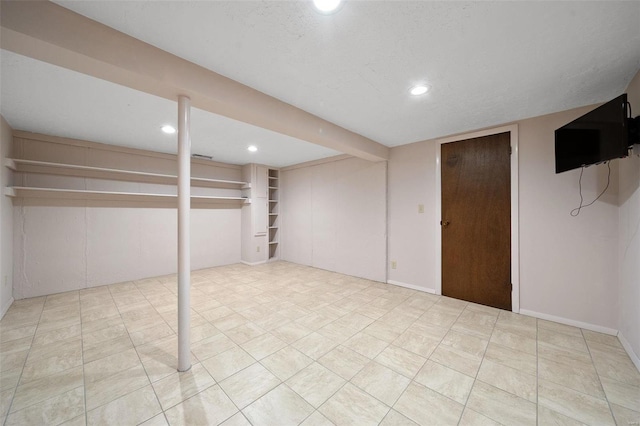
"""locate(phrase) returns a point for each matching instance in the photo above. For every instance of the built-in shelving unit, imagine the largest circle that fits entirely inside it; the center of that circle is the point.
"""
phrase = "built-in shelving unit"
(45, 167)
(81, 171)
(274, 185)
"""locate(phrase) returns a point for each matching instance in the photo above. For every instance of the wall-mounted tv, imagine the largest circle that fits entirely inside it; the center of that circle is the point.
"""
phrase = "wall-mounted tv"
(597, 136)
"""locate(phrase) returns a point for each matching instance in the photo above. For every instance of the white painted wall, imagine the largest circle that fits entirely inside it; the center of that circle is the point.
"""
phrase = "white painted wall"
(61, 248)
(6, 221)
(629, 305)
(61, 245)
(568, 266)
(412, 181)
(334, 217)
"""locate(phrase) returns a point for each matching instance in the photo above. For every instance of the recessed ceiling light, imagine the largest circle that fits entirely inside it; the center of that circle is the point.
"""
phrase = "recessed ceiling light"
(327, 6)
(253, 148)
(419, 89)
(168, 129)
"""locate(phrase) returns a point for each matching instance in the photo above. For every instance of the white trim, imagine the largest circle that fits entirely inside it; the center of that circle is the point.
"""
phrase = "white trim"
(411, 286)
(253, 263)
(515, 224)
(567, 321)
(627, 347)
(6, 307)
(317, 162)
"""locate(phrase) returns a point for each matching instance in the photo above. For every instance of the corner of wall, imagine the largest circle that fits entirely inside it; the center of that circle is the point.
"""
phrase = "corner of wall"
(6, 220)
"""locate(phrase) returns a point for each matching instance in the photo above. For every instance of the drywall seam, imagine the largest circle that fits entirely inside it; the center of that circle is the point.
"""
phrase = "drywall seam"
(627, 347)
(567, 321)
(412, 286)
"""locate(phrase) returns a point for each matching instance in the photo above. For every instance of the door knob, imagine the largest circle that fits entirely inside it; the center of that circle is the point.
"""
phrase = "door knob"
(444, 223)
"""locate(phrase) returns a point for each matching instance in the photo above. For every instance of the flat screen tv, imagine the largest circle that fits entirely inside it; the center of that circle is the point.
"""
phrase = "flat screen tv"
(597, 136)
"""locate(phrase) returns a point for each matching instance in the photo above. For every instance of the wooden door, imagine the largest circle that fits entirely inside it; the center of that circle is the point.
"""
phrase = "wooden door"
(476, 220)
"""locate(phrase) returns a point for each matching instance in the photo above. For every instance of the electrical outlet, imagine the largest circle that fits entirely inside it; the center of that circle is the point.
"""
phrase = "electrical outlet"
(420, 208)
(258, 249)
(394, 264)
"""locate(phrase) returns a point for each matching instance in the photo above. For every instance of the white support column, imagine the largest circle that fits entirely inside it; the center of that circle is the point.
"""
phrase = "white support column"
(184, 232)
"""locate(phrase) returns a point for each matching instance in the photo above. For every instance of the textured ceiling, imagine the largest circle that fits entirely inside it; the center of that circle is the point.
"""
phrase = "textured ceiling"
(488, 63)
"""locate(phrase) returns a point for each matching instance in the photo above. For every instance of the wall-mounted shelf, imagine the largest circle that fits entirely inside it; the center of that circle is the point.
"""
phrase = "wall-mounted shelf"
(45, 167)
(78, 194)
(273, 199)
(273, 242)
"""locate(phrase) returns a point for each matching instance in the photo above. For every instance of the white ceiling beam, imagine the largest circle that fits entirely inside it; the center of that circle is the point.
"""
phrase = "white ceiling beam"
(48, 32)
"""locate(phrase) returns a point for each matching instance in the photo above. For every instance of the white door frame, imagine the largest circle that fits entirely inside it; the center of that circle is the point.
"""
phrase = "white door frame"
(515, 240)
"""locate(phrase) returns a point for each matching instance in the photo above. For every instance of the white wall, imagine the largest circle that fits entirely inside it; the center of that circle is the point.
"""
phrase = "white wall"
(412, 181)
(61, 245)
(629, 306)
(6, 221)
(567, 265)
(333, 217)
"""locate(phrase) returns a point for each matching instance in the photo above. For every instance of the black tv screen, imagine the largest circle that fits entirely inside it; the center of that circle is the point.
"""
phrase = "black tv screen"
(597, 136)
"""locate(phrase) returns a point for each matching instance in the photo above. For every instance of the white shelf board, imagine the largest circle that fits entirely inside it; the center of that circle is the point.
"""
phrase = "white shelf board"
(273, 227)
(80, 194)
(45, 167)
(273, 242)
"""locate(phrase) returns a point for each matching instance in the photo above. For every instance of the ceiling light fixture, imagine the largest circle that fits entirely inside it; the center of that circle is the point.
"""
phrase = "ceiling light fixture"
(419, 89)
(327, 6)
(168, 129)
(252, 148)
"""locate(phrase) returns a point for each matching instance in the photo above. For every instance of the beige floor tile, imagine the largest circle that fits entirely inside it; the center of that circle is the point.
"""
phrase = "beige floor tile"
(400, 360)
(427, 407)
(382, 331)
(263, 346)
(562, 340)
(509, 380)
(501, 406)
(11, 361)
(104, 368)
(228, 363)
(624, 416)
(381, 382)
(21, 332)
(559, 328)
(150, 334)
(230, 321)
(158, 420)
(622, 394)
(202, 332)
(5, 402)
(47, 337)
(179, 386)
(101, 335)
(614, 365)
(473, 418)
(114, 386)
(344, 362)
(212, 346)
(133, 408)
(106, 348)
(291, 332)
(40, 390)
(245, 332)
(316, 419)
(605, 339)
(366, 345)
(281, 406)
(514, 341)
(337, 333)
(249, 384)
(314, 345)
(237, 419)
(445, 381)
(315, 384)
(52, 363)
(352, 406)
(10, 378)
(76, 421)
(286, 362)
(393, 418)
(512, 358)
(457, 359)
(56, 410)
(578, 376)
(53, 349)
(417, 343)
(547, 416)
(576, 405)
(217, 313)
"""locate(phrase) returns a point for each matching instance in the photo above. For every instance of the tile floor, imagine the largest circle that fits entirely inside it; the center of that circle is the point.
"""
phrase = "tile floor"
(283, 344)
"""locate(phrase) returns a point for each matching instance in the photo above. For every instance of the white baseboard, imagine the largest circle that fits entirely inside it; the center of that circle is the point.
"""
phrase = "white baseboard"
(411, 286)
(627, 347)
(566, 321)
(6, 307)
(253, 263)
